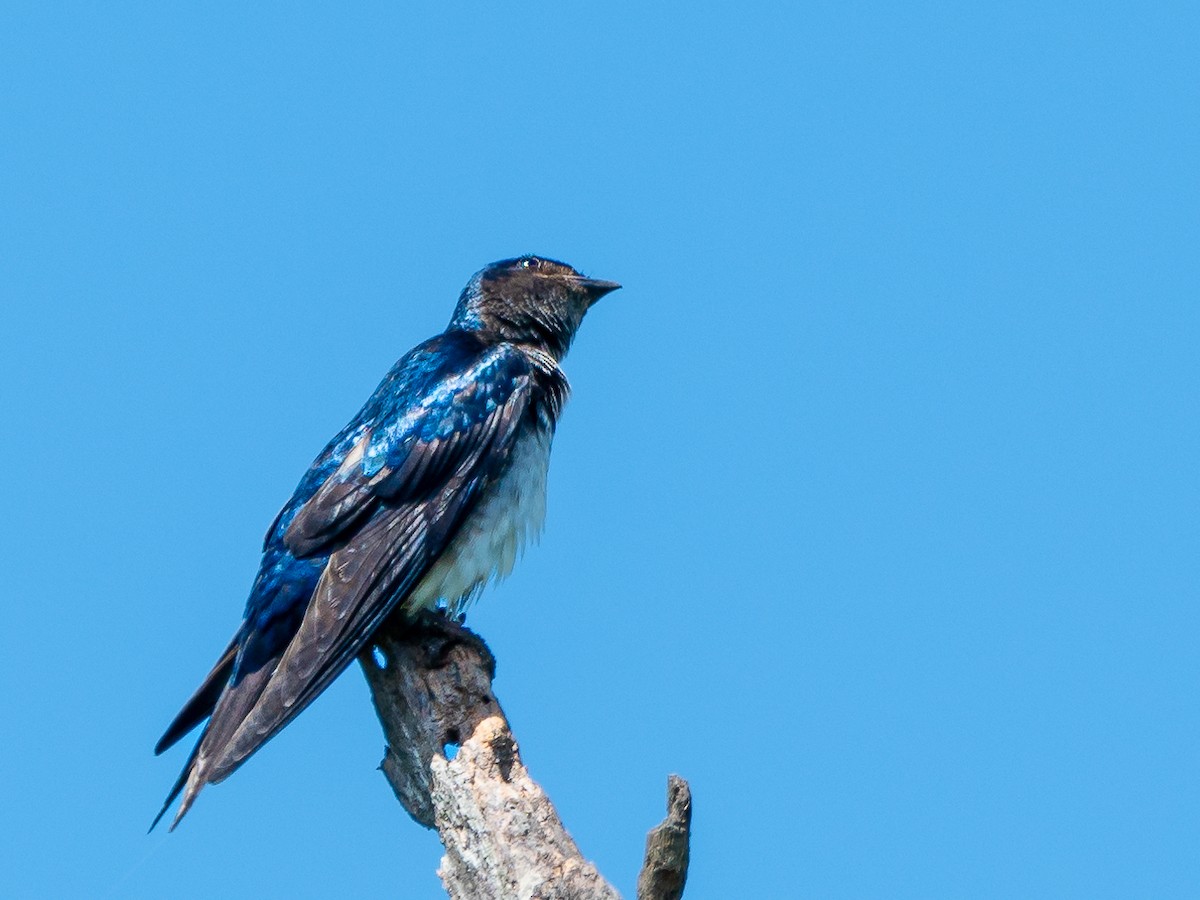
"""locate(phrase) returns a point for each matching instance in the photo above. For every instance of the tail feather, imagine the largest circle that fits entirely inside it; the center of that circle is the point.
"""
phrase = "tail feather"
(176, 788)
(200, 705)
(233, 704)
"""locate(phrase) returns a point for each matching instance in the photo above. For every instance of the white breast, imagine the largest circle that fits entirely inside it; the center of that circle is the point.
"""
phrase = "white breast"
(512, 511)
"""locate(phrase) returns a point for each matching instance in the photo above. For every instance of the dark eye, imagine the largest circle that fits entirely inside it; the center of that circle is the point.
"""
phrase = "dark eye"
(531, 263)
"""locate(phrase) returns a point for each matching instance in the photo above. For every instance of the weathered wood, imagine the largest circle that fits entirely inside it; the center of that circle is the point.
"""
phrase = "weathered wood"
(502, 835)
(664, 872)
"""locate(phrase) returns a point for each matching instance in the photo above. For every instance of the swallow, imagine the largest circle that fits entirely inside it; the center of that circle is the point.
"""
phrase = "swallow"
(428, 493)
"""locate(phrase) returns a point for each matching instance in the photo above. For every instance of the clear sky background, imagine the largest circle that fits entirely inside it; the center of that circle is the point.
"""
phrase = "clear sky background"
(874, 513)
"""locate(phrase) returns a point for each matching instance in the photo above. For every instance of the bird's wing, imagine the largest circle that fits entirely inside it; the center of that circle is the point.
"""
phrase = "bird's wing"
(385, 515)
(411, 456)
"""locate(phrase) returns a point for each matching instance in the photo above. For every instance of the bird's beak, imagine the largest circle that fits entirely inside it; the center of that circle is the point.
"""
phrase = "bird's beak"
(596, 288)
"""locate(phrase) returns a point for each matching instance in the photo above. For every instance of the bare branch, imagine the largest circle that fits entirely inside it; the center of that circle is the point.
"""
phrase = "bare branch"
(502, 835)
(664, 872)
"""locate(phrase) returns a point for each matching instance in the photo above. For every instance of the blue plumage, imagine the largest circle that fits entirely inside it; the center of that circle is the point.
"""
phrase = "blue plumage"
(421, 499)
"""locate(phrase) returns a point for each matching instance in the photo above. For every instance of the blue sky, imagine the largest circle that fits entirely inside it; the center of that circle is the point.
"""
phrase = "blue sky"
(874, 513)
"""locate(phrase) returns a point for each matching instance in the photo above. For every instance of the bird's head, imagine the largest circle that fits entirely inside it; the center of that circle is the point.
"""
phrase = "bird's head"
(529, 300)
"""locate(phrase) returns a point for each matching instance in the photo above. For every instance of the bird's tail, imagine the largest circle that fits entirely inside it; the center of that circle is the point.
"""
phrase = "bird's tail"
(176, 788)
(200, 705)
(235, 702)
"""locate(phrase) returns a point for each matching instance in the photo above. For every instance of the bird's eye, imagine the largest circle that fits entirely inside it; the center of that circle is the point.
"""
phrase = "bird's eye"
(530, 263)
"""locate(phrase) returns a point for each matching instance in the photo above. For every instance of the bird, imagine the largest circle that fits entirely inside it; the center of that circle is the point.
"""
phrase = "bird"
(427, 494)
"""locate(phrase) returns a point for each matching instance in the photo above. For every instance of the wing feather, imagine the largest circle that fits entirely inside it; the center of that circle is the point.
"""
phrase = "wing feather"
(383, 517)
(344, 500)
(361, 586)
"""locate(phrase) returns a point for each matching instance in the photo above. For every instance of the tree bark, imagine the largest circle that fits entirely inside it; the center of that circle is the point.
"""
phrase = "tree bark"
(454, 765)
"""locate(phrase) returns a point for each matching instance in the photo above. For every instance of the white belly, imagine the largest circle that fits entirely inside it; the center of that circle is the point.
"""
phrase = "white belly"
(511, 512)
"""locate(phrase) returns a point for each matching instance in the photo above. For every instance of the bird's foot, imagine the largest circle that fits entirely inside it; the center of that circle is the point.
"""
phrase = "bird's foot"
(451, 631)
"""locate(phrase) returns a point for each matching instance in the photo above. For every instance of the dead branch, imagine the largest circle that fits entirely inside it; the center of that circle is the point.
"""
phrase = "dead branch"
(455, 766)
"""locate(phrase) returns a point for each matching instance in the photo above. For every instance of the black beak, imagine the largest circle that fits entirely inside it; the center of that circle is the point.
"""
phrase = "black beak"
(596, 288)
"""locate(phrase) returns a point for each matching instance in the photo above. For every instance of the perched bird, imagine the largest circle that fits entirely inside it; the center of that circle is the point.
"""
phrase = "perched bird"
(427, 494)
